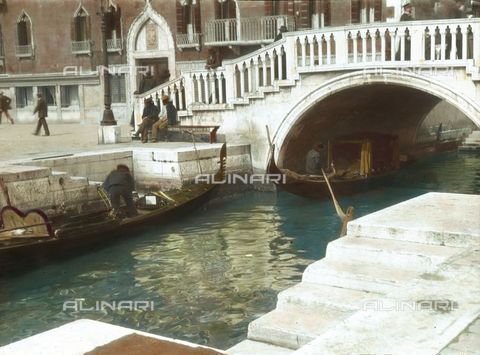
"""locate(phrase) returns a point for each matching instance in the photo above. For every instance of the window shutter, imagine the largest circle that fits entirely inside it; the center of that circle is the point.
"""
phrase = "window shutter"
(72, 29)
(355, 11)
(378, 10)
(180, 20)
(88, 30)
(197, 17)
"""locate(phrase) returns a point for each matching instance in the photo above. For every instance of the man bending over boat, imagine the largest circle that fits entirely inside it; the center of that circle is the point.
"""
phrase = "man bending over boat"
(119, 183)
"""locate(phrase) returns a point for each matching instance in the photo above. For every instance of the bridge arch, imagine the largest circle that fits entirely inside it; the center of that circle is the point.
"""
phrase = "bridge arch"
(426, 85)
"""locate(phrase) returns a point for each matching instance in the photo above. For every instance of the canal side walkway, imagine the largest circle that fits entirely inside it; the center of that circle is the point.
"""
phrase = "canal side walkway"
(405, 279)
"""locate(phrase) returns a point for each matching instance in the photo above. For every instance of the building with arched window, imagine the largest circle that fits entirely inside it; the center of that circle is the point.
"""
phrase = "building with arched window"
(61, 58)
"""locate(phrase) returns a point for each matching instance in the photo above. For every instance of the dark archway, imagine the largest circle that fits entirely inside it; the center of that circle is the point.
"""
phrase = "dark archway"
(382, 108)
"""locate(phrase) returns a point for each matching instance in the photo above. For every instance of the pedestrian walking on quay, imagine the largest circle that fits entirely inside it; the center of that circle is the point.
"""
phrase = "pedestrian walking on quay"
(4, 107)
(42, 110)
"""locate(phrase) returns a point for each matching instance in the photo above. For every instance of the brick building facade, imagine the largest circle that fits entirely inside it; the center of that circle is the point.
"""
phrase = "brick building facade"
(55, 46)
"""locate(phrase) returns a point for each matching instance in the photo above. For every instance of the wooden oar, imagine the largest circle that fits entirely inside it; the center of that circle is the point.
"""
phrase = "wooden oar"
(344, 217)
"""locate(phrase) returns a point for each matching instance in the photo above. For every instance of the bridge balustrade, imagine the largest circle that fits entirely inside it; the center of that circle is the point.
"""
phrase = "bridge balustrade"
(429, 44)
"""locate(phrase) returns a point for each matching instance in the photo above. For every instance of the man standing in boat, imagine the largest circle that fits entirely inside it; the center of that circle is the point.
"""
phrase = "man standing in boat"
(316, 159)
(120, 183)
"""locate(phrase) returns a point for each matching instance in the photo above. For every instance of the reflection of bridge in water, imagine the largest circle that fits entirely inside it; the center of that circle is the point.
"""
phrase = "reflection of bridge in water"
(320, 83)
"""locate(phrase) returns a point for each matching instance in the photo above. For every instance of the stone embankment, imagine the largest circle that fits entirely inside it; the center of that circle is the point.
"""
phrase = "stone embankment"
(404, 280)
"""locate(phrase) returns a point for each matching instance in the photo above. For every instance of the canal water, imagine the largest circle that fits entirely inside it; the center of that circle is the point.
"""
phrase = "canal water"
(213, 272)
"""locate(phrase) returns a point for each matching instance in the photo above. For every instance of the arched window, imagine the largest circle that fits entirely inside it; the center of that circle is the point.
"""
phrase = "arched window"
(188, 16)
(225, 9)
(80, 23)
(81, 43)
(24, 36)
(114, 29)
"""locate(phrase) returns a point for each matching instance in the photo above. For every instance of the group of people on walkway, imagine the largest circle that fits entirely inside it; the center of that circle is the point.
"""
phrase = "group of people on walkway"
(41, 109)
(156, 120)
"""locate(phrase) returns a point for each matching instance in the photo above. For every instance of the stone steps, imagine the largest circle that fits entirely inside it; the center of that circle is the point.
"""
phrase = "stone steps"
(251, 347)
(311, 296)
(424, 222)
(390, 252)
(292, 327)
(357, 275)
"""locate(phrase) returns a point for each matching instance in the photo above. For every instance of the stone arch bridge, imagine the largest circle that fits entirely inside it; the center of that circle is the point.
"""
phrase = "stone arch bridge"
(315, 84)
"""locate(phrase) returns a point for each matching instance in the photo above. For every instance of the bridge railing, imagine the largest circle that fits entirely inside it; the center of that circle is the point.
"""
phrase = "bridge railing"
(432, 44)
(426, 43)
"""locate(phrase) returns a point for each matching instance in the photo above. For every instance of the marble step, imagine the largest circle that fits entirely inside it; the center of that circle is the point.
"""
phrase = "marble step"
(314, 296)
(251, 347)
(424, 219)
(392, 252)
(294, 326)
(357, 275)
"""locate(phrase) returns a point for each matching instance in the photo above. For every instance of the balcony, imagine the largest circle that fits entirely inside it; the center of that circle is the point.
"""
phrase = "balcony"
(114, 45)
(188, 40)
(25, 51)
(245, 31)
(82, 47)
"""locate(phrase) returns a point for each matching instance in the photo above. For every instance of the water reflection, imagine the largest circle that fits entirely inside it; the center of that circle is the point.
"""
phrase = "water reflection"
(215, 271)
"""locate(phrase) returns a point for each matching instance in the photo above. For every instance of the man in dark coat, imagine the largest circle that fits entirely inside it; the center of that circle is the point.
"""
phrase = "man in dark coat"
(4, 107)
(149, 117)
(42, 110)
(120, 183)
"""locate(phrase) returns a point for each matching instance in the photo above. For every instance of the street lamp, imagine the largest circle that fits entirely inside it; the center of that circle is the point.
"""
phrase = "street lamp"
(108, 117)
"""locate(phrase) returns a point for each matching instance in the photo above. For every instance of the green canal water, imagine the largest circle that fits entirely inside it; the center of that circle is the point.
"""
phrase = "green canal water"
(213, 272)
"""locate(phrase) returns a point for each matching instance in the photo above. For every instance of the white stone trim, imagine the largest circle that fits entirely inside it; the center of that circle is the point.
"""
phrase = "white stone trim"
(148, 14)
(79, 8)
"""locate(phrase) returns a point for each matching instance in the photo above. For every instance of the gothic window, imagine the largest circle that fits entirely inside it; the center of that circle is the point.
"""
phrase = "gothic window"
(24, 30)
(81, 25)
(188, 16)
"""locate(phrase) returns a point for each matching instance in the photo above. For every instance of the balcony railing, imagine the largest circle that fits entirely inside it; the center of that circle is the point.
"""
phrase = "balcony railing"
(24, 51)
(188, 40)
(246, 31)
(114, 45)
(82, 47)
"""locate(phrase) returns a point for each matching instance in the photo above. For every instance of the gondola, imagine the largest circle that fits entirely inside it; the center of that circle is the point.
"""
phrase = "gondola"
(357, 163)
(32, 237)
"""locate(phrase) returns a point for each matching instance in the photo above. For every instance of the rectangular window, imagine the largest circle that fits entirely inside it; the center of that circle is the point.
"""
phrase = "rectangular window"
(24, 97)
(48, 93)
(117, 88)
(69, 95)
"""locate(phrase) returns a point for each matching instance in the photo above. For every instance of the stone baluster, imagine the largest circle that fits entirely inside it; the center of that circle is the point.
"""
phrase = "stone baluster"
(264, 67)
(464, 42)
(206, 84)
(213, 82)
(432, 43)
(453, 51)
(320, 51)
(383, 46)
(443, 47)
(257, 72)
(272, 67)
(364, 46)
(312, 54)
(220, 88)
(355, 49)
(242, 80)
(280, 63)
(373, 42)
(393, 38)
(402, 45)
(329, 50)
(303, 43)
(199, 88)
(476, 44)
(251, 76)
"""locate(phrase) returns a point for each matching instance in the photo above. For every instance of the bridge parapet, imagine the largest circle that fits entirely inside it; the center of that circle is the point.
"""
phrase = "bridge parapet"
(426, 44)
